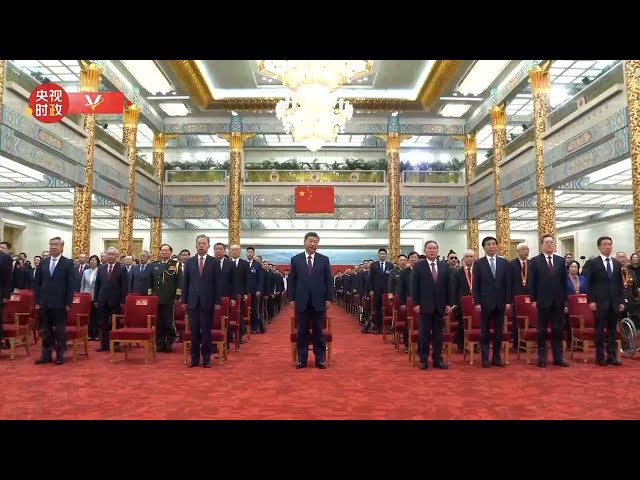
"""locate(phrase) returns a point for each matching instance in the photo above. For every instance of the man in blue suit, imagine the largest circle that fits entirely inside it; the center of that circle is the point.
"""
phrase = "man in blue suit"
(311, 292)
(53, 294)
(491, 297)
(199, 295)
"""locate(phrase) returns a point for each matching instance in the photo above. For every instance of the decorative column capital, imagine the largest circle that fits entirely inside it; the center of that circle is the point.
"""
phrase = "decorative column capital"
(131, 116)
(393, 139)
(160, 139)
(470, 143)
(540, 81)
(90, 74)
(236, 139)
(499, 117)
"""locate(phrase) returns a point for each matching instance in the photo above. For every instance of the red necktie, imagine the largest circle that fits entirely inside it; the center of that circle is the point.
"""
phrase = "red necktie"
(433, 272)
(109, 270)
(201, 265)
(550, 264)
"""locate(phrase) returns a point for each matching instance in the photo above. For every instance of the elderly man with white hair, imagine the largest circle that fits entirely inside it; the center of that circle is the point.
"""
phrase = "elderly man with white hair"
(520, 284)
(240, 284)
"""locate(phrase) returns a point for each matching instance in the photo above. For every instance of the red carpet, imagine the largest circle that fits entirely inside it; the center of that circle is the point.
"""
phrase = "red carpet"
(366, 380)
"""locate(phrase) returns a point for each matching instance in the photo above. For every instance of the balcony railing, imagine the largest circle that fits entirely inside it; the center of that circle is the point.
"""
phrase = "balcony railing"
(323, 176)
(196, 176)
(420, 176)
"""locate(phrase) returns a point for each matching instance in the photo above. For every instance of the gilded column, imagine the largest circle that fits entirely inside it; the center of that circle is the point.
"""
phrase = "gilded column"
(159, 143)
(393, 177)
(471, 162)
(3, 76)
(546, 200)
(499, 128)
(83, 194)
(129, 135)
(236, 141)
(632, 84)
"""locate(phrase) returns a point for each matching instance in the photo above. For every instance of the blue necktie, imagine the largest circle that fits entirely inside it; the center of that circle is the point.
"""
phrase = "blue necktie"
(493, 267)
(52, 266)
(309, 264)
(609, 270)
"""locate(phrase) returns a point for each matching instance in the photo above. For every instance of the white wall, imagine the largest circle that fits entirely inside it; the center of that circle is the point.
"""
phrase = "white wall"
(35, 235)
(619, 229)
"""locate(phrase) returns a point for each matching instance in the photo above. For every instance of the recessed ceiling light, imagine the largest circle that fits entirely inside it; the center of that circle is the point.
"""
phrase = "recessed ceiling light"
(270, 80)
(174, 109)
(365, 79)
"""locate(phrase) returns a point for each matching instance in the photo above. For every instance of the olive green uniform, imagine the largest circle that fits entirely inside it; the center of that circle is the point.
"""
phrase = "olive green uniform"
(166, 280)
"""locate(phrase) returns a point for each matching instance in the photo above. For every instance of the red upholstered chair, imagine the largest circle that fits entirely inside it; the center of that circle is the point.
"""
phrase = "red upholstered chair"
(179, 313)
(399, 323)
(139, 320)
(15, 322)
(467, 308)
(293, 337)
(527, 317)
(583, 324)
(450, 324)
(247, 317)
(219, 328)
(234, 322)
(388, 315)
(472, 337)
(78, 322)
(413, 331)
(34, 318)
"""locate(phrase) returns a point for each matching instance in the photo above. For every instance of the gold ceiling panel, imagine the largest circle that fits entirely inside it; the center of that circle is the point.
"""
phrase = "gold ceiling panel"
(193, 79)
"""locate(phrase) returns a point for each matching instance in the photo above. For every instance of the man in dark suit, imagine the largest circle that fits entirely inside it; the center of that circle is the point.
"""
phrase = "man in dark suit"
(311, 289)
(430, 293)
(79, 271)
(605, 294)
(240, 283)
(461, 286)
(5, 283)
(491, 294)
(548, 283)
(199, 292)
(255, 289)
(109, 293)
(53, 294)
(404, 290)
(224, 273)
(140, 276)
(379, 285)
(520, 284)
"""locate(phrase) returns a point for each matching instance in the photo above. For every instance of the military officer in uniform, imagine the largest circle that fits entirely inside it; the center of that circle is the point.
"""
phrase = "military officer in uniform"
(166, 278)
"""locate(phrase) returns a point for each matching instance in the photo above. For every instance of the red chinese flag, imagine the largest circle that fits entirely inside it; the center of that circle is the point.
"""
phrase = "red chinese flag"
(314, 199)
(96, 103)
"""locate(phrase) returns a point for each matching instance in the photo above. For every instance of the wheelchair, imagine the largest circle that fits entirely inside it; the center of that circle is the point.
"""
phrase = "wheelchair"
(629, 329)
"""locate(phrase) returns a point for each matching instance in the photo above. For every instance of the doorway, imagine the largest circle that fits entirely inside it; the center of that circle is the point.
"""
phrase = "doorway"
(13, 235)
(136, 246)
(567, 245)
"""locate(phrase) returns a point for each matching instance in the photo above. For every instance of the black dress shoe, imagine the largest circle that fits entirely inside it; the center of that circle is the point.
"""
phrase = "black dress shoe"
(542, 364)
(441, 365)
(498, 363)
(485, 364)
(59, 361)
(42, 361)
(614, 361)
(423, 365)
(206, 364)
(193, 364)
(321, 365)
(562, 363)
(602, 363)
(301, 365)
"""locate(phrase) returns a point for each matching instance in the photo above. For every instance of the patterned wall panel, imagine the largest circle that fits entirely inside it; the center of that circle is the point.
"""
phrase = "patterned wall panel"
(194, 212)
(146, 206)
(518, 177)
(586, 137)
(481, 196)
(147, 192)
(196, 201)
(571, 167)
(110, 175)
(39, 156)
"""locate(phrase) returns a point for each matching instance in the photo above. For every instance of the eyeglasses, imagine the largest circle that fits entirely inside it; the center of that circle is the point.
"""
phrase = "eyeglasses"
(453, 258)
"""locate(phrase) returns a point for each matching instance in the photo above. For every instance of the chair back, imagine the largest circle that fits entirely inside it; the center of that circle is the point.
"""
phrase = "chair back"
(476, 319)
(387, 305)
(247, 307)
(19, 303)
(179, 311)
(223, 311)
(80, 305)
(467, 305)
(579, 312)
(138, 308)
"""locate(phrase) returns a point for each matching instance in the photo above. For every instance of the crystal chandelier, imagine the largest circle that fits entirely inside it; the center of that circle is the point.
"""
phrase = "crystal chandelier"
(313, 114)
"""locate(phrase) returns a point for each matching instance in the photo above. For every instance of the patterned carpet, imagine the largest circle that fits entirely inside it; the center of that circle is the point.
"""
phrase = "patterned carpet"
(366, 380)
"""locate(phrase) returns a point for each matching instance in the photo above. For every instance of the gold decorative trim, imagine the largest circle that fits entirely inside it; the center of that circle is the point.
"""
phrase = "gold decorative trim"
(194, 82)
(90, 77)
(437, 80)
(499, 117)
